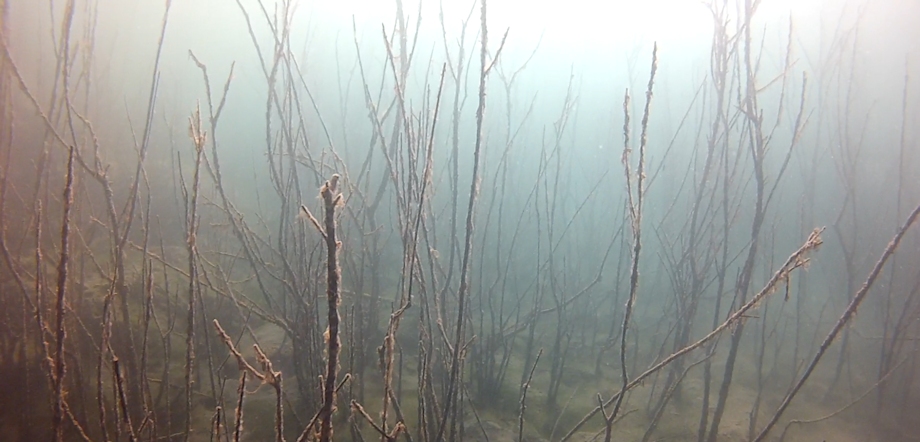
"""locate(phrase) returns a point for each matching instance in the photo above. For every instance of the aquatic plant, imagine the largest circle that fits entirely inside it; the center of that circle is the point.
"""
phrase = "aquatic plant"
(452, 247)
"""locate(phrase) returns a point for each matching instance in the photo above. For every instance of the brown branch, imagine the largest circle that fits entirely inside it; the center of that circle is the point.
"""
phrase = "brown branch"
(331, 198)
(241, 392)
(524, 389)
(59, 366)
(844, 319)
(796, 260)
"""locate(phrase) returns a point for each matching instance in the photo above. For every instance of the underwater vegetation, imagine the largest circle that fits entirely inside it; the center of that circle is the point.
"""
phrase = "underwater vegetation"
(282, 220)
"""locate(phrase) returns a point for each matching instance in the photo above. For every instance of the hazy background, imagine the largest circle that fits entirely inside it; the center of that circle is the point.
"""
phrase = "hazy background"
(844, 171)
(603, 48)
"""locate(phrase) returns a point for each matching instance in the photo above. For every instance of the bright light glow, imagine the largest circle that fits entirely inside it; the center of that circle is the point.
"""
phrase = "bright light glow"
(579, 23)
